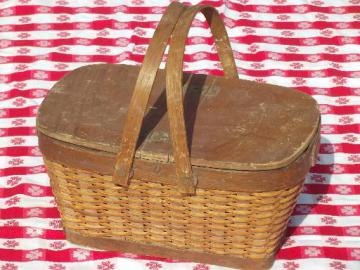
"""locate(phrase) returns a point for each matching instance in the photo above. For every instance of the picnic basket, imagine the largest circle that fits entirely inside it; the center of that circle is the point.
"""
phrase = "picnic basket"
(187, 166)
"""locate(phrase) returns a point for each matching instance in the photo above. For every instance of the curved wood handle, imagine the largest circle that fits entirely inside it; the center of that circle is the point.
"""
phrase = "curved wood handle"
(146, 78)
(142, 90)
(174, 95)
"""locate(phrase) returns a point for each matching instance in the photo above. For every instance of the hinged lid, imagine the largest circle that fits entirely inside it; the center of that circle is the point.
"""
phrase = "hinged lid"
(231, 124)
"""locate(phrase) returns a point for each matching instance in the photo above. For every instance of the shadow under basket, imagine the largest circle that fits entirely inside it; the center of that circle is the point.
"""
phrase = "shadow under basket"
(210, 178)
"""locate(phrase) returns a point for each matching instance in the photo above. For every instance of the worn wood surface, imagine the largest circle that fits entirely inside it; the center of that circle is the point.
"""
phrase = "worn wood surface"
(231, 124)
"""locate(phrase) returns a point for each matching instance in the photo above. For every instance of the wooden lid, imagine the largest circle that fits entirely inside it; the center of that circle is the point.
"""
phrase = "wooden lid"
(231, 124)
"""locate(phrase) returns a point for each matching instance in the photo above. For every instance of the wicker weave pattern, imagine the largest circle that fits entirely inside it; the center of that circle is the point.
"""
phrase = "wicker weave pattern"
(221, 222)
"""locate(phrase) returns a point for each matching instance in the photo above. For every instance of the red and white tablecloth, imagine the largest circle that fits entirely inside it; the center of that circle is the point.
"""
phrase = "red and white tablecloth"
(312, 45)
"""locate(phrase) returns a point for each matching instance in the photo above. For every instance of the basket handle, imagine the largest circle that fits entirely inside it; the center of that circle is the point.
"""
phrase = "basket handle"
(141, 95)
(174, 78)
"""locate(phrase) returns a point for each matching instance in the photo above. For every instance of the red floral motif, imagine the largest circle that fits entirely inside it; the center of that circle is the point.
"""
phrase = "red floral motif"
(11, 244)
(63, 34)
(137, 2)
(245, 15)
(260, 80)
(18, 122)
(348, 210)
(83, 41)
(337, 168)
(263, 9)
(328, 220)
(331, 49)
(323, 199)
(23, 35)
(312, 252)
(3, 60)
(350, 138)
(253, 48)
(230, 23)
(35, 212)
(56, 224)
(337, 265)
(43, 9)
(17, 141)
(299, 81)
(12, 201)
(289, 242)
(62, 18)
(103, 50)
(325, 109)
(353, 231)
(25, 19)
(248, 30)
(61, 66)
(13, 180)
(354, 158)
(103, 33)
(34, 255)
(16, 161)
(106, 265)
(140, 31)
(99, 2)
(291, 265)
(62, 2)
(271, 40)
(44, 43)
(120, 25)
(34, 232)
(22, 50)
(63, 49)
(57, 245)
(280, 1)
(296, 65)
(331, 148)
(21, 67)
(283, 17)
(139, 17)
(292, 49)
(317, 3)
(326, 33)
(357, 179)
(7, 12)
(300, 9)
(333, 241)
(57, 266)
(44, 26)
(274, 56)
(346, 120)
(257, 65)
(9, 266)
(303, 209)
(310, 41)
(201, 266)
(343, 189)
(287, 33)
(40, 75)
(342, 100)
(18, 102)
(355, 254)
(339, 80)
(11, 223)
(140, 49)
(153, 265)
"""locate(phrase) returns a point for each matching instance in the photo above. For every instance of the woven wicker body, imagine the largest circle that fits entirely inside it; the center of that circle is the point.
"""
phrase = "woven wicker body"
(238, 224)
(212, 179)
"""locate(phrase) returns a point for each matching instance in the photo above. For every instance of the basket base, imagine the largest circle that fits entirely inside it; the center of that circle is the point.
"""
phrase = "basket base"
(189, 256)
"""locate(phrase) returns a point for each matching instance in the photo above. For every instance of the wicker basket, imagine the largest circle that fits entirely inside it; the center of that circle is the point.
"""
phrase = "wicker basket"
(219, 189)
